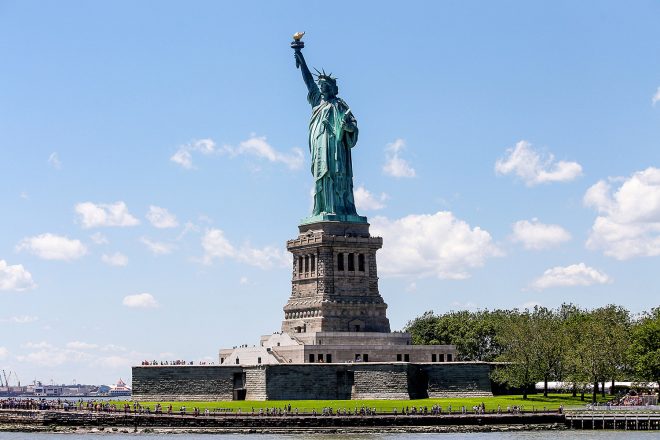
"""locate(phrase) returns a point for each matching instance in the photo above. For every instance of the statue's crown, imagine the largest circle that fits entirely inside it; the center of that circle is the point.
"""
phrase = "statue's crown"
(325, 76)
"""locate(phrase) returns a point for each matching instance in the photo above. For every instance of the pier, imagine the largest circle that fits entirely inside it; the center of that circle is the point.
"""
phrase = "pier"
(624, 421)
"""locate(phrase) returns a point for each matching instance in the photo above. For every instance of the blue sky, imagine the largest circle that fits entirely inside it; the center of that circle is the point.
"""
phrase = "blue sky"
(508, 155)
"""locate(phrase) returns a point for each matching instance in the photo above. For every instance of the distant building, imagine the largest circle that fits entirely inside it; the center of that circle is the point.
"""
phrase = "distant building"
(120, 389)
(40, 390)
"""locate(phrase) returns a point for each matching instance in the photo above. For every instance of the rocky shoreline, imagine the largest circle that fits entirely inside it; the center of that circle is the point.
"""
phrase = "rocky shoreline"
(103, 422)
(282, 430)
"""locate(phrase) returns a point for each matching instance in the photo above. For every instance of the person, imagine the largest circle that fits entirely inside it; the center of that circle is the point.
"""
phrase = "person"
(332, 133)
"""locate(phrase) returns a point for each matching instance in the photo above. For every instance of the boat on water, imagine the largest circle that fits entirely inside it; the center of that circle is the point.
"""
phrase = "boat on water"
(120, 389)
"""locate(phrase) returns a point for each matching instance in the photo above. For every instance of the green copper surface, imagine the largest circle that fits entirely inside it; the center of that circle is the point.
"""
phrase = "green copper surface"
(333, 132)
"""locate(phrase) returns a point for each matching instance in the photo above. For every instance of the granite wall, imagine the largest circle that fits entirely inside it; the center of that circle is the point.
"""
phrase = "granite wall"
(381, 381)
(308, 382)
(399, 380)
(184, 382)
(458, 379)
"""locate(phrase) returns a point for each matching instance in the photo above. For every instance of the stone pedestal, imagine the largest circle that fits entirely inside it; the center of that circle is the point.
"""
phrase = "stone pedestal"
(335, 280)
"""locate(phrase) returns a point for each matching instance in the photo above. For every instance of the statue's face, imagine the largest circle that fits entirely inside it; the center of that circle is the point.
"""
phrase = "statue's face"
(326, 88)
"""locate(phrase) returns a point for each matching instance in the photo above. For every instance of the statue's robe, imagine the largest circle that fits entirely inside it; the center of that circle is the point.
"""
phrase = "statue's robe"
(330, 148)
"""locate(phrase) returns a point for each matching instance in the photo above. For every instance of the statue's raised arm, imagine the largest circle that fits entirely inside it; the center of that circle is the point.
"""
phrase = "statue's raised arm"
(314, 95)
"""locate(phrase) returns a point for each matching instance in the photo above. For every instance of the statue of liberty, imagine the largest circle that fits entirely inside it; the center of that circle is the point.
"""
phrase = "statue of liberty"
(333, 132)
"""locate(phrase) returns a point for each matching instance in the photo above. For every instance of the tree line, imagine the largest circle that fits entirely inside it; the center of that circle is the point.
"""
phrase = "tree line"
(569, 344)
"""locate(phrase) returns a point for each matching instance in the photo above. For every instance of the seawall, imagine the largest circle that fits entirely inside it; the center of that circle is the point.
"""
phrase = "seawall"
(24, 420)
(397, 380)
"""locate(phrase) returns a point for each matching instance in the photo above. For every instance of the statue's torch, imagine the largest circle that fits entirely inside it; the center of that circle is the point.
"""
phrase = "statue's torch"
(297, 44)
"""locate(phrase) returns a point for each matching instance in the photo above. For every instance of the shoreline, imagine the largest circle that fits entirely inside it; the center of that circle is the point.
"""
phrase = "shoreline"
(105, 422)
(284, 430)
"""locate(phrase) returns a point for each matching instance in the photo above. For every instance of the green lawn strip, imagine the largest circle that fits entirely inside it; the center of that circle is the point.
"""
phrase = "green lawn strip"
(537, 402)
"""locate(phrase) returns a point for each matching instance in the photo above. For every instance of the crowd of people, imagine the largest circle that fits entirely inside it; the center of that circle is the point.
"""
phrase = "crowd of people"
(31, 404)
(47, 404)
(631, 398)
(176, 362)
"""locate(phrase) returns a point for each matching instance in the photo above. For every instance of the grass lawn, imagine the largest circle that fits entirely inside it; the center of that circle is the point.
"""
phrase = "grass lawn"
(537, 402)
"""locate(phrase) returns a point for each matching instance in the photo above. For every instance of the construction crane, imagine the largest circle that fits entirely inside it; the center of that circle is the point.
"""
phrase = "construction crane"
(18, 381)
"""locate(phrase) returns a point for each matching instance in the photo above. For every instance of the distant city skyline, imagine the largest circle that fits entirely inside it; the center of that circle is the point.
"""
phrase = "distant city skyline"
(155, 161)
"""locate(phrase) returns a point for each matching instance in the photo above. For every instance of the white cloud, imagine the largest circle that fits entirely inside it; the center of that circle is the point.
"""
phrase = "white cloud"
(264, 258)
(98, 238)
(534, 168)
(15, 277)
(396, 166)
(115, 362)
(53, 247)
(256, 146)
(216, 245)
(50, 356)
(366, 201)
(21, 319)
(78, 345)
(93, 215)
(244, 281)
(433, 244)
(116, 259)
(4, 352)
(140, 300)
(656, 97)
(536, 235)
(113, 347)
(77, 353)
(599, 196)
(411, 287)
(54, 161)
(182, 157)
(161, 217)
(157, 247)
(573, 275)
(46, 358)
(204, 146)
(629, 222)
(187, 228)
(37, 345)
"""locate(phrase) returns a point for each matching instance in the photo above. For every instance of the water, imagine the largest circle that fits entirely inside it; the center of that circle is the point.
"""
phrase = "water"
(532, 435)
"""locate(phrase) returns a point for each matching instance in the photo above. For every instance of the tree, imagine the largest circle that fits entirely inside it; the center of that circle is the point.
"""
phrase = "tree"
(517, 338)
(617, 323)
(572, 337)
(547, 344)
(479, 341)
(581, 346)
(593, 346)
(422, 328)
(473, 333)
(532, 345)
(645, 347)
